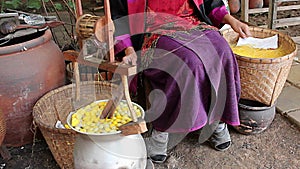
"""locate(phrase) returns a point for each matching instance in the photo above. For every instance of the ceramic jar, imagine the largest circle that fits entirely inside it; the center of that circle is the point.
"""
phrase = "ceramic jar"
(255, 117)
(29, 68)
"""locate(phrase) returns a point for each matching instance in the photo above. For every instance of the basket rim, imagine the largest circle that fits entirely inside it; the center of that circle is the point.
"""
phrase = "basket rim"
(267, 60)
(50, 93)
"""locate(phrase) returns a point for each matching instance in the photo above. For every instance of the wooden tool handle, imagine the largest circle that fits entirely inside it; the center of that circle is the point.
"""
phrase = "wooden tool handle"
(77, 80)
(127, 97)
(111, 106)
(137, 126)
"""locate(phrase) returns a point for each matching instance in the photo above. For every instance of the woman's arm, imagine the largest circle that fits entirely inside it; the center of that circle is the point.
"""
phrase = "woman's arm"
(237, 25)
(215, 10)
(219, 15)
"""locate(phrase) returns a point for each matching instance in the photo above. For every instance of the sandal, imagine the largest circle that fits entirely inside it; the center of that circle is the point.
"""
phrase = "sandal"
(150, 164)
(157, 146)
(221, 140)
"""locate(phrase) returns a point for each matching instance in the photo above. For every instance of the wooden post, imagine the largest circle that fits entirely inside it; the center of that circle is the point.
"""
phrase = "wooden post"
(272, 15)
(78, 8)
(109, 27)
(245, 10)
(76, 75)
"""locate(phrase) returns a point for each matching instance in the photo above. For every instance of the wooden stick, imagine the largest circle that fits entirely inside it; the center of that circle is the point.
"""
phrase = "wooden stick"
(137, 126)
(127, 97)
(109, 30)
(79, 12)
(112, 104)
(114, 67)
(78, 6)
(77, 80)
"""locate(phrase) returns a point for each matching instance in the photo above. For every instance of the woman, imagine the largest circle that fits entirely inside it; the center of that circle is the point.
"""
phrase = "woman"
(190, 66)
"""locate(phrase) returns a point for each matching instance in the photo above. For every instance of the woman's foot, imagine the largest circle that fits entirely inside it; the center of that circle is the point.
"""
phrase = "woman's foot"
(150, 164)
(157, 146)
(220, 140)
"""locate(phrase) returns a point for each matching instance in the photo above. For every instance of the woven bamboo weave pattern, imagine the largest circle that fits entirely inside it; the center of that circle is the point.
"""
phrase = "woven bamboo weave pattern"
(85, 25)
(2, 127)
(56, 105)
(262, 79)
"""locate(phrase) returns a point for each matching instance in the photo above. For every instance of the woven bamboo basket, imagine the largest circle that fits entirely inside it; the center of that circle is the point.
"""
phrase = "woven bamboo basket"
(85, 25)
(88, 25)
(56, 105)
(262, 79)
(2, 127)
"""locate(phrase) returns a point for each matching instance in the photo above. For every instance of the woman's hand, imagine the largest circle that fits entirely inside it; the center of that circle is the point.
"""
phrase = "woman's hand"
(130, 56)
(241, 28)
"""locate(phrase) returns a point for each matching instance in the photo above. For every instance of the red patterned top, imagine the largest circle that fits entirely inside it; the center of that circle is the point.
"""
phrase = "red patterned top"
(170, 14)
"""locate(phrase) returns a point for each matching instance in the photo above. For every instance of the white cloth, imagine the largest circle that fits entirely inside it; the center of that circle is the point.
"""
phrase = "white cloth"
(263, 43)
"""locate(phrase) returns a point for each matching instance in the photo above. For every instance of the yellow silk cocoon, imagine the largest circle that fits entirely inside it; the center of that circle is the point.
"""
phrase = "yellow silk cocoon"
(249, 51)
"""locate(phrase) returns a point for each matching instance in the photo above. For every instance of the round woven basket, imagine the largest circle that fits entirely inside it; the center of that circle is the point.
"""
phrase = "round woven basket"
(85, 25)
(88, 25)
(262, 79)
(56, 105)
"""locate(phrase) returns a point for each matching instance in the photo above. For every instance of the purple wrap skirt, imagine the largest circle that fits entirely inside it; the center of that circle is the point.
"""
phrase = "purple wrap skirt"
(195, 81)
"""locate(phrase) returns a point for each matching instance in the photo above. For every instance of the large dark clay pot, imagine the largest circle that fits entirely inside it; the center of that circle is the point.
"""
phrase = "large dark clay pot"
(234, 6)
(28, 70)
(256, 4)
(267, 2)
(255, 117)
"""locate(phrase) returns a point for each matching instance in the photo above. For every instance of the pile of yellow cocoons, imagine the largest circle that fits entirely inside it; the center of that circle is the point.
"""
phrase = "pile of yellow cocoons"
(87, 119)
(249, 51)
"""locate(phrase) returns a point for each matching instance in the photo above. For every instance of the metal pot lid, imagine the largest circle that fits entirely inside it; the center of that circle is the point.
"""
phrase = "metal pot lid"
(19, 34)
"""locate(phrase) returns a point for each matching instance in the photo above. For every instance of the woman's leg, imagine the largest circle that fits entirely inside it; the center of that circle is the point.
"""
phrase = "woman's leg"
(181, 96)
(162, 76)
(157, 145)
(183, 103)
